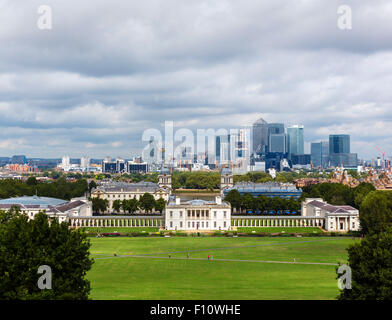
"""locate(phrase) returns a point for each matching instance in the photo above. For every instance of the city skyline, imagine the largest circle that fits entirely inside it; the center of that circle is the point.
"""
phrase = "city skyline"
(94, 85)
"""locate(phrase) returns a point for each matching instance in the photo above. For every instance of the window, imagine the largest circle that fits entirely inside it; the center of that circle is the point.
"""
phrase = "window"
(207, 224)
(224, 224)
(214, 214)
(214, 224)
(193, 224)
(224, 214)
(180, 224)
(171, 214)
(171, 224)
(180, 214)
(353, 224)
(189, 224)
(202, 224)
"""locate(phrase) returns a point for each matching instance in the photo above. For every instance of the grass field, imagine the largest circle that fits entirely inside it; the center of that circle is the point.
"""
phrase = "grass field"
(242, 268)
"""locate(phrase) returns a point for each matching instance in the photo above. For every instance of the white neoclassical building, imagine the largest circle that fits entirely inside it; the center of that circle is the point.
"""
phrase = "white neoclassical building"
(198, 215)
(336, 218)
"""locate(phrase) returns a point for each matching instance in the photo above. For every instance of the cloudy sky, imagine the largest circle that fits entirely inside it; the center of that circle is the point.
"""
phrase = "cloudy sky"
(108, 70)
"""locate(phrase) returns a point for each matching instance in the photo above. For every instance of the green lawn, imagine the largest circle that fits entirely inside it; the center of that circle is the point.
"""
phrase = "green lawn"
(152, 275)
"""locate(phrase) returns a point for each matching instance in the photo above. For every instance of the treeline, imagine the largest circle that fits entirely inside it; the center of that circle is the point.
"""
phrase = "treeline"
(196, 180)
(147, 203)
(339, 194)
(59, 188)
(262, 205)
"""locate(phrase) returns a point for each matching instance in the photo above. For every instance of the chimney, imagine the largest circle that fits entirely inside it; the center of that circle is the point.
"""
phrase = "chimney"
(218, 200)
(178, 200)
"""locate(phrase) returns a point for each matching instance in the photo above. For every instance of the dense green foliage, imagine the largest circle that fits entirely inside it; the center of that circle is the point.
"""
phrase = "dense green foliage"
(262, 204)
(376, 212)
(196, 180)
(25, 245)
(60, 188)
(371, 265)
(371, 260)
(338, 194)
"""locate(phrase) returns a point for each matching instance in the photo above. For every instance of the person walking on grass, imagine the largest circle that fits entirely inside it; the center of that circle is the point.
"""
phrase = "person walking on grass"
(208, 257)
(187, 255)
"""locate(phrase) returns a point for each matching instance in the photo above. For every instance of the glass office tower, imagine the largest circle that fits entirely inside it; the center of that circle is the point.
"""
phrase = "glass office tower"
(295, 139)
(339, 143)
(260, 136)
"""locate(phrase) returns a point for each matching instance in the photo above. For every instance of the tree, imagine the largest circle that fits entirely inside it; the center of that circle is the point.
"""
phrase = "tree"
(117, 204)
(360, 192)
(147, 202)
(31, 181)
(160, 205)
(234, 198)
(262, 203)
(248, 202)
(371, 268)
(130, 205)
(28, 244)
(375, 213)
(91, 185)
(100, 205)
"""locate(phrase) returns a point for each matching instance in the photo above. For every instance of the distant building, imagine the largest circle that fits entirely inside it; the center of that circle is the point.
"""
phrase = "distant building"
(54, 208)
(295, 139)
(336, 218)
(301, 159)
(277, 142)
(339, 143)
(198, 215)
(19, 159)
(260, 136)
(137, 167)
(269, 189)
(339, 151)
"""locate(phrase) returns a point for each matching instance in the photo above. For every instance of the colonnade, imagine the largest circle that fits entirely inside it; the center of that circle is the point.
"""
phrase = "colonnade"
(277, 222)
(116, 222)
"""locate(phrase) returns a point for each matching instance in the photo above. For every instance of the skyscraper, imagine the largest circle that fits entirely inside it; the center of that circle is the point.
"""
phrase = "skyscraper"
(295, 139)
(320, 153)
(339, 143)
(339, 151)
(275, 128)
(260, 136)
(316, 153)
(277, 143)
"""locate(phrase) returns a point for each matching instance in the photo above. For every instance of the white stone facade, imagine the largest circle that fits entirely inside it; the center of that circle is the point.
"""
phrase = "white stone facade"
(198, 215)
(336, 218)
